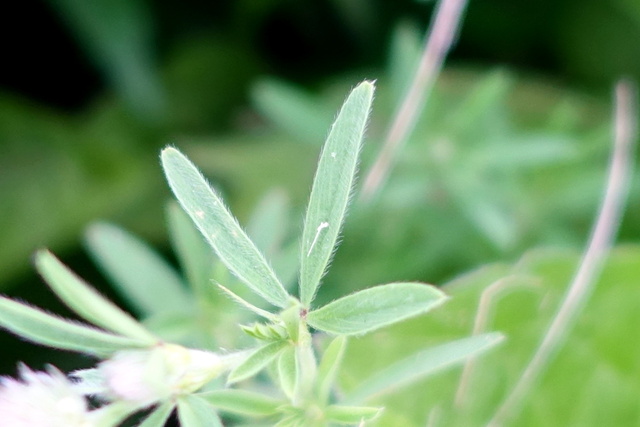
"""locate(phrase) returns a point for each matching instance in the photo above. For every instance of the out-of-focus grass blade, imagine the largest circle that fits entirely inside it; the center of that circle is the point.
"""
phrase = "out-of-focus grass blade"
(194, 411)
(373, 308)
(193, 253)
(159, 416)
(422, 364)
(404, 55)
(242, 402)
(489, 216)
(87, 302)
(292, 109)
(220, 228)
(139, 273)
(332, 188)
(118, 35)
(483, 106)
(42, 328)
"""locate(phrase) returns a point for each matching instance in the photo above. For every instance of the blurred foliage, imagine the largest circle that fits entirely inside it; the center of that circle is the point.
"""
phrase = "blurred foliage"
(592, 380)
(502, 161)
(181, 70)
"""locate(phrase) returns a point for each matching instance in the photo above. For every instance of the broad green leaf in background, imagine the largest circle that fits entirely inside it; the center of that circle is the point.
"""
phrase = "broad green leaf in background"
(332, 189)
(138, 272)
(220, 228)
(373, 308)
(193, 411)
(422, 364)
(42, 328)
(253, 364)
(598, 358)
(87, 302)
(242, 402)
(159, 416)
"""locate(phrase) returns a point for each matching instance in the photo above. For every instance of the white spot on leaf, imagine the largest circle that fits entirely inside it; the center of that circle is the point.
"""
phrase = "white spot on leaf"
(321, 227)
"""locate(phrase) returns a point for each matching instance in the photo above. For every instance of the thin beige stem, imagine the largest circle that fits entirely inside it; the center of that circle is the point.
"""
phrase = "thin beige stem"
(443, 30)
(602, 238)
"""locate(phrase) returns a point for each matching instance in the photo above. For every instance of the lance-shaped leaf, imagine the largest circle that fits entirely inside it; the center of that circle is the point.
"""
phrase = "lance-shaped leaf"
(87, 302)
(373, 308)
(42, 328)
(332, 188)
(288, 371)
(329, 366)
(351, 414)
(242, 402)
(139, 273)
(193, 411)
(193, 253)
(423, 364)
(159, 416)
(220, 228)
(253, 364)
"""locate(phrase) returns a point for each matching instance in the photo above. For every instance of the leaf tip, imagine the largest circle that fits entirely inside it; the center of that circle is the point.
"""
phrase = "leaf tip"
(367, 84)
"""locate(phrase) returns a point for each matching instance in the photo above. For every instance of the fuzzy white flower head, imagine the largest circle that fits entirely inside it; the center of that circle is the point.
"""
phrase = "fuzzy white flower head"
(147, 376)
(42, 399)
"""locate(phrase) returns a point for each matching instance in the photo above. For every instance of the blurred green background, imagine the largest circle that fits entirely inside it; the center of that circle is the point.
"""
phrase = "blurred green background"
(510, 152)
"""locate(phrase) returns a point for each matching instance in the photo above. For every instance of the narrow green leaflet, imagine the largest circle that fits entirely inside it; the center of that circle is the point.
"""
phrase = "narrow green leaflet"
(115, 413)
(220, 228)
(242, 402)
(246, 304)
(256, 361)
(192, 251)
(87, 302)
(351, 414)
(138, 272)
(373, 308)
(288, 371)
(332, 188)
(159, 416)
(194, 411)
(329, 366)
(42, 328)
(423, 364)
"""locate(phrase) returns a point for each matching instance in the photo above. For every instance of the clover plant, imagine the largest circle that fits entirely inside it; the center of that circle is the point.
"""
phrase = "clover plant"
(286, 377)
